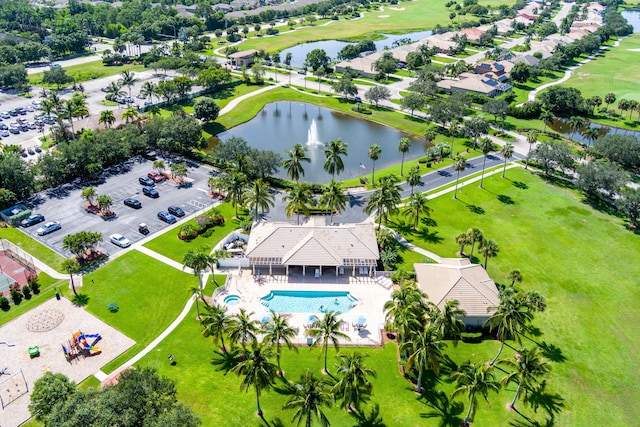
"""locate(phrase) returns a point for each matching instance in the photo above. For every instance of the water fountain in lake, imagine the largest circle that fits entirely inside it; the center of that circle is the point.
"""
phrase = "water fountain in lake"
(312, 135)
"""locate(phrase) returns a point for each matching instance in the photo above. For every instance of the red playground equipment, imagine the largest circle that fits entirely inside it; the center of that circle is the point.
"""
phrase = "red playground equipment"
(80, 346)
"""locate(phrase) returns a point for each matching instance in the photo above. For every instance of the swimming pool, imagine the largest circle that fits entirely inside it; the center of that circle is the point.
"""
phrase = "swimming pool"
(232, 299)
(308, 301)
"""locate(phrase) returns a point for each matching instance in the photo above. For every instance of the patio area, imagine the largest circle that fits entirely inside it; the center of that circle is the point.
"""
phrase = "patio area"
(363, 319)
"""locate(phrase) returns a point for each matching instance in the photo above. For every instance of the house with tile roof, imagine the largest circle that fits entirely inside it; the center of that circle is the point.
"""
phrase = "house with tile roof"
(313, 248)
(459, 279)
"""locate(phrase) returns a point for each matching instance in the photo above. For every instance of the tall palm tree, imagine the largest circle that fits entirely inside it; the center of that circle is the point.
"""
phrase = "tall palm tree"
(277, 332)
(385, 199)
(293, 161)
(403, 146)
(507, 152)
(545, 116)
(71, 266)
(258, 371)
(107, 118)
(243, 329)
(299, 198)
(413, 177)
(216, 322)
(333, 198)
(459, 165)
(234, 184)
(374, 154)
(198, 260)
(475, 235)
(473, 380)
(70, 109)
(104, 202)
(82, 108)
(130, 114)
(489, 248)
(486, 146)
(310, 394)
(257, 196)
(128, 79)
(417, 208)
(509, 319)
(148, 90)
(532, 138)
(463, 240)
(529, 366)
(425, 353)
(113, 91)
(590, 134)
(575, 123)
(324, 330)
(354, 386)
(515, 275)
(447, 321)
(405, 311)
(333, 154)
(454, 129)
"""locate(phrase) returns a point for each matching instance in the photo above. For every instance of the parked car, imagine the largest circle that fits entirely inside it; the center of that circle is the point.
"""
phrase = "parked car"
(48, 227)
(146, 181)
(119, 240)
(4, 133)
(5, 115)
(14, 130)
(166, 217)
(38, 149)
(133, 203)
(31, 151)
(32, 220)
(150, 192)
(155, 176)
(4, 126)
(176, 210)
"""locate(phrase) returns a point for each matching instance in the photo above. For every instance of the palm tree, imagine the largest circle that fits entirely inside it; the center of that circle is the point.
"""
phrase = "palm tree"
(515, 276)
(454, 129)
(425, 352)
(507, 152)
(113, 91)
(474, 379)
(70, 109)
(403, 146)
(353, 386)
(413, 177)
(257, 196)
(277, 332)
(159, 165)
(324, 330)
(489, 248)
(81, 104)
(374, 154)
(148, 90)
(447, 321)
(107, 118)
(198, 261)
(475, 235)
(310, 394)
(532, 138)
(459, 165)
(535, 301)
(299, 198)
(71, 266)
(243, 329)
(293, 161)
(385, 199)
(234, 185)
(405, 311)
(333, 154)
(128, 79)
(333, 198)
(545, 116)
(590, 134)
(575, 123)
(529, 366)
(258, 372)
(198, 293)
(486, 146)
(463, 240)
(216, 323)
(371, 419)
(104, 202)
(509, 318)
(88, 194)
(418, 207)
(130, 114)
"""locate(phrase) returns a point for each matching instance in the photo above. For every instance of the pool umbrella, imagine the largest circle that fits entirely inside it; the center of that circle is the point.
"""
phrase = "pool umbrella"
(360, 320)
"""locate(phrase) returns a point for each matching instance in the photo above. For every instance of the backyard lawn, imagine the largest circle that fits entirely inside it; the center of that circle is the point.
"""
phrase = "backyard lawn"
(170, 246)
(150, 295)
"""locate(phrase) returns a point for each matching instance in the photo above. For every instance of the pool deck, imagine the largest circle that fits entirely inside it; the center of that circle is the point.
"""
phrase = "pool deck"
(370, 292)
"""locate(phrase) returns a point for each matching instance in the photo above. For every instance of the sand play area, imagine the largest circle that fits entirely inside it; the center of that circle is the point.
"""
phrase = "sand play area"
(50, 326)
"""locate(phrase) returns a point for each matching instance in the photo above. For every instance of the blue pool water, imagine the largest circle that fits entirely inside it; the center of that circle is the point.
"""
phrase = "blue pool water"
(232, 299)
(308, 301)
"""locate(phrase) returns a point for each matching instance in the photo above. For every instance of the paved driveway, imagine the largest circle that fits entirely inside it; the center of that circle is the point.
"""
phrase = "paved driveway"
(64, 204)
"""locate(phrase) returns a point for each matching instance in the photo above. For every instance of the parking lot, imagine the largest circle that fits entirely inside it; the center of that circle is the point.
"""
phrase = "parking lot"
(64, 204)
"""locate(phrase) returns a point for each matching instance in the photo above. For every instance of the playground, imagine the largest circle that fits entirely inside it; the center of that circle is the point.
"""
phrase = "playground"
(58, 337)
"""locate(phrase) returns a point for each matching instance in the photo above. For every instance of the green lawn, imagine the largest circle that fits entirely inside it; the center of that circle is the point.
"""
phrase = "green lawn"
(32, 247)
(88, 71)
(616, 70)
(170, 246)
(579, 258)
(150, 295)
(48, 287)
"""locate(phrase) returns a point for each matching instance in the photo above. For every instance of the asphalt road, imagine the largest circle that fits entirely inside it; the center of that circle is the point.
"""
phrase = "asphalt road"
(64, 204)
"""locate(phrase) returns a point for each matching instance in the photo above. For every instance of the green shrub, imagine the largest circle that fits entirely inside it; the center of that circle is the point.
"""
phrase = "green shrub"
(26, 291)
(16, 296)
(472, 337)
(35, 285)
(187, 232)
(364, 180)
(208, 233)
(4, 304)
(203, 223)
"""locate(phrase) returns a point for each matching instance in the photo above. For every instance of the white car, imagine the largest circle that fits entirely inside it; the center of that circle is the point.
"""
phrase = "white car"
(120, 240)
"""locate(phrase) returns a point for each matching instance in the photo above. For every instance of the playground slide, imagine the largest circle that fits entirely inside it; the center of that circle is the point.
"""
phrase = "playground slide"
(7, 344)
(96, 336)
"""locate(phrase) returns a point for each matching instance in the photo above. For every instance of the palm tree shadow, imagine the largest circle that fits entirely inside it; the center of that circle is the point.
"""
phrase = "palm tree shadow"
(551, 403)
(520, 185)
(502, 198)
(548, 422)
(429, 222)
(473, 208)
(431, 237)
(355, 201)
(276, 422)
(446, 410)
(226, 360)
(552, 352)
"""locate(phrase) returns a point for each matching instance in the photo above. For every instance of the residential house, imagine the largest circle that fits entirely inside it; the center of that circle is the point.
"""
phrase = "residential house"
(473, 34)
(313, 248)
(527, 59)
(504, 26)
(243, 58)
(483, 84)
(458, 279)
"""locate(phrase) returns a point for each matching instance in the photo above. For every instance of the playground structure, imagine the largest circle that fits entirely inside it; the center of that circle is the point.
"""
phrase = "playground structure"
(12, 388)
(79, 346)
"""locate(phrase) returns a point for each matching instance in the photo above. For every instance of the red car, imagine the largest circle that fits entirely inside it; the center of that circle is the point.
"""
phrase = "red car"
(155, 176)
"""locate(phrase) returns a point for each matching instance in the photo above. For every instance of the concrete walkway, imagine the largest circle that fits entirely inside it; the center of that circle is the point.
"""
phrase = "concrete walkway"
(234, 103)
(159, 257)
